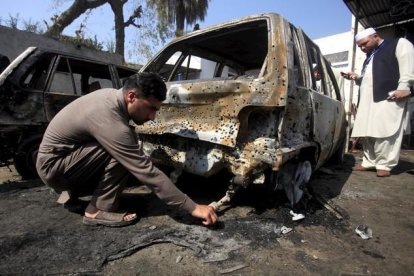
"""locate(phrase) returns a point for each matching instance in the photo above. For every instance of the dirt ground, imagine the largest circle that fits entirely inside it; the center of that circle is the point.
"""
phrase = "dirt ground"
(37, 236)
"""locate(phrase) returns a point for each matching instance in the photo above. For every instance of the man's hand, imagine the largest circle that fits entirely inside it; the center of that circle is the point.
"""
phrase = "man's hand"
(398, 95)
(206, 213)
(349, 75)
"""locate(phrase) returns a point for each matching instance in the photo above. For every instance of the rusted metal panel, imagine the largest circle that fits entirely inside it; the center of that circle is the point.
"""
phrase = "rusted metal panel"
(223, 113)
(247, 122)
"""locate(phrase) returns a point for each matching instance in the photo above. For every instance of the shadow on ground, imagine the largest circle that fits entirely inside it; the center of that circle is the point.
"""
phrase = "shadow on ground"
(38, 236)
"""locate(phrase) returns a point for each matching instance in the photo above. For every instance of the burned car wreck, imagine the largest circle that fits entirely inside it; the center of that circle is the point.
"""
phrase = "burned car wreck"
(34, 87)
(242, 97)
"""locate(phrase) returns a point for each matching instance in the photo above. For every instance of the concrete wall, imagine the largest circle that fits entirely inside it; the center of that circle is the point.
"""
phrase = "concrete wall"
(335, 43)
(14, 41)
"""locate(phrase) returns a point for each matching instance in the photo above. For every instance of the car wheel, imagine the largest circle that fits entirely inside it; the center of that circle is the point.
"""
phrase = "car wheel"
(293, 176)
(25, 159)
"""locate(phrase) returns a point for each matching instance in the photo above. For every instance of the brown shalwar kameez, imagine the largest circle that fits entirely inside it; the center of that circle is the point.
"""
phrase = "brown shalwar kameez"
(89, 145)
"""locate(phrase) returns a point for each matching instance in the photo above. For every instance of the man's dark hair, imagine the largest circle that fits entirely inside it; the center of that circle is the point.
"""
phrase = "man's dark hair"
(317, 68)
(147, 85)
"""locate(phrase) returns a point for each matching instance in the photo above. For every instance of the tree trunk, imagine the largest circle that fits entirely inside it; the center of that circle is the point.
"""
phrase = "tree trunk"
(66, 18)
(179, 18)
(117, 8)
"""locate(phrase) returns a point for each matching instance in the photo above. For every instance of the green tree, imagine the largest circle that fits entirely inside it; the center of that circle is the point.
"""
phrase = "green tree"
(15, 22)
(158, 17)
(34, 27)
(80, 7)
(120, 25)
(180, 12)
(149, 37)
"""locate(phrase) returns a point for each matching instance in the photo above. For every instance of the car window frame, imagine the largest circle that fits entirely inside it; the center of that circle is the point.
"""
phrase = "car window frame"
(69, 58)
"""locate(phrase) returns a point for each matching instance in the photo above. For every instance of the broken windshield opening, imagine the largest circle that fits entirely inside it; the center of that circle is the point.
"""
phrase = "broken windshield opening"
(238, 50)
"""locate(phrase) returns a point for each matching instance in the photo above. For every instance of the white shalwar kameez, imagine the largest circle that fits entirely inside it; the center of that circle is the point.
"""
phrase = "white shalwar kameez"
(382, 124)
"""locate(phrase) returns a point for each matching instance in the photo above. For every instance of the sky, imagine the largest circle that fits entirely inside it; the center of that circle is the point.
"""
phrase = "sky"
(318, 18)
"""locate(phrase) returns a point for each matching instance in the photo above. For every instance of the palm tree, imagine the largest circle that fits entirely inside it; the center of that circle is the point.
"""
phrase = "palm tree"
(180, 12)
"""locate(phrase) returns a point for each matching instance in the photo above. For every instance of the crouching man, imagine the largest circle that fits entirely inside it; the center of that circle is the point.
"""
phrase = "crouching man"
(89, 146)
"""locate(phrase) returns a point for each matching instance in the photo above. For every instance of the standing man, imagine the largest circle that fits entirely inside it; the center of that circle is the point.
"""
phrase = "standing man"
(385, 82)
(89, 147)
(317, 76)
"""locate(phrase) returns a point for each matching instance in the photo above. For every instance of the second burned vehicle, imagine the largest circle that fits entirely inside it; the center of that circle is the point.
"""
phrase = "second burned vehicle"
(242, 97)
(35, 86)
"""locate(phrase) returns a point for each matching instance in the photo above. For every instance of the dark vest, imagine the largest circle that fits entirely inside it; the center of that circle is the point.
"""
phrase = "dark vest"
(385, 71)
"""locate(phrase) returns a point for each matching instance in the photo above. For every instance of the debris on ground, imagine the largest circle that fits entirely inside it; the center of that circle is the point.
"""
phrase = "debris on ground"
(281, 230)
(178, 259)
(329, 206)
(232, 269)
(296, 216)
(364, 231)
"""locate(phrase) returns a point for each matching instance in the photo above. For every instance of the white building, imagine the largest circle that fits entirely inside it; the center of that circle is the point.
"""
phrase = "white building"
(337, 49)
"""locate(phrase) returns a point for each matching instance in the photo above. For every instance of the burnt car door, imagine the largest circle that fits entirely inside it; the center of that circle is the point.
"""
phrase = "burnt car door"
(22, 89)
(328, 119)
(71, 78)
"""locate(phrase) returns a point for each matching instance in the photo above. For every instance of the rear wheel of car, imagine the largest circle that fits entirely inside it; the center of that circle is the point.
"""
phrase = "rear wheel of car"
(25, 159)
